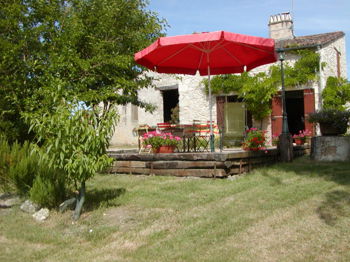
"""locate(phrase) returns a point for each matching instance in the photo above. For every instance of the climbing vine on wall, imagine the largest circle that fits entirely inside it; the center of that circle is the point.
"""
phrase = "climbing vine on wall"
(258, 90)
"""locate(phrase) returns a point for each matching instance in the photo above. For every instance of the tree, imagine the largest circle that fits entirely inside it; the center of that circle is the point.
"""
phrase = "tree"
(85, 46)
(75, 140)
(57, 55)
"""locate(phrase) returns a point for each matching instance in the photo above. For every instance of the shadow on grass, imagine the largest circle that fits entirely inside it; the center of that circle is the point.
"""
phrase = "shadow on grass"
(107, 197)
(338, 172)
(337, 202)
(274, 180)
(336, 205)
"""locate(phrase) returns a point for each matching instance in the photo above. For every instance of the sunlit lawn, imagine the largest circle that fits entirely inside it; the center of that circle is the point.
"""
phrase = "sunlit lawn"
(287, 212)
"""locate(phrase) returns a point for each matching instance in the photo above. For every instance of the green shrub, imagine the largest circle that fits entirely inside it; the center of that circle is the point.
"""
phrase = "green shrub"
(24, 168)
(336, 93)
(331, 117)
(48, 188)
(5, 161)
(21, 171)
(17, 166)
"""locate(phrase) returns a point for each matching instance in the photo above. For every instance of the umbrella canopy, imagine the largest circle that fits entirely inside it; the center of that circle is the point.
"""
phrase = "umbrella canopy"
(222, 52)
(209, 53)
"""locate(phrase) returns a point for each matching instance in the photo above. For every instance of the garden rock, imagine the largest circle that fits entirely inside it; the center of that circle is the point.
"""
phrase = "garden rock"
(41, 215)
(9, 200)
(232, 177)
(29, 207)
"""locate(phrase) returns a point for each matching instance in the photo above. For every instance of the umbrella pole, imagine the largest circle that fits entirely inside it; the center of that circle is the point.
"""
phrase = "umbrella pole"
(210, 115)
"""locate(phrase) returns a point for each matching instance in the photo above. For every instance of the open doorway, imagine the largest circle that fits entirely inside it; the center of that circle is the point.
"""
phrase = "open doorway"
(170, 105)
(295, 111)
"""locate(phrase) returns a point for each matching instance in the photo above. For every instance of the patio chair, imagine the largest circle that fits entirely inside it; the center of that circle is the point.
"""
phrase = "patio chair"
(201, 136)
(141, 130)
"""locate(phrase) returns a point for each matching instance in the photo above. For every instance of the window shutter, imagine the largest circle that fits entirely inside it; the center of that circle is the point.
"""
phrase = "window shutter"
(309, 107)
(220, 102)
(276, 115)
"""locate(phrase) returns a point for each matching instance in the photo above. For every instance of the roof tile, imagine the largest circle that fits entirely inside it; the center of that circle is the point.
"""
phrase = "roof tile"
(319, 39)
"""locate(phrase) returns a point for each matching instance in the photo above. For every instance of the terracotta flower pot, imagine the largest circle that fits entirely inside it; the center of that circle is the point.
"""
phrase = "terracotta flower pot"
(299, 141)
(165, 149)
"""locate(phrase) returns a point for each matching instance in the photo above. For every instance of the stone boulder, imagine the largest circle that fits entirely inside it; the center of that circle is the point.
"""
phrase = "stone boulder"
(41, 215)
(29, 207)
(9, 200)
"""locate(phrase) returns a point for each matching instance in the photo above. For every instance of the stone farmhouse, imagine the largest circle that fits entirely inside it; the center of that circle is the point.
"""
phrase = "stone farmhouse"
(187, 92)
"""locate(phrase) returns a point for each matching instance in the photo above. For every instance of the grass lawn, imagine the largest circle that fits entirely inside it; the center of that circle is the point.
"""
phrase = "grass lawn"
(287, 212)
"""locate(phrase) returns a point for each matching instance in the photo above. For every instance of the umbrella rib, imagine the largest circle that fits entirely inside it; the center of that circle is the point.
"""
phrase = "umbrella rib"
(208, 50)
(175, 54)
(200, 61)
(231, 55)
(198, 48)
(218, 46)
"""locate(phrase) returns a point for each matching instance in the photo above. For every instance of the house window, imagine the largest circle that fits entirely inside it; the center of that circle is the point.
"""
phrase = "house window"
(134, 113)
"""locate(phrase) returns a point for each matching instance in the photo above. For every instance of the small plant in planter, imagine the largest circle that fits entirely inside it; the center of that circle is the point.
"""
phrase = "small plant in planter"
(275, 140)
(255, 140)
(157, 139)
(332, 122)
(301, 137)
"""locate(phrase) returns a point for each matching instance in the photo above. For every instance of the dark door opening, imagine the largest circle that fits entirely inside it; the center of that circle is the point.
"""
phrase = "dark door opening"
(170, 102)
(295, 111)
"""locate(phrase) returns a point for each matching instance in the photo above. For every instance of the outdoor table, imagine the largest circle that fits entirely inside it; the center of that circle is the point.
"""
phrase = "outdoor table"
(194, 137)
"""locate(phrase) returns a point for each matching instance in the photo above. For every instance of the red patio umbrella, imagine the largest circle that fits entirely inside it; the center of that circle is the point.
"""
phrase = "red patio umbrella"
(209, 53)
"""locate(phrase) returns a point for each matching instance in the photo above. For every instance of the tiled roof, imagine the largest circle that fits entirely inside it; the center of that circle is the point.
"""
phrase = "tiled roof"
(300, 41)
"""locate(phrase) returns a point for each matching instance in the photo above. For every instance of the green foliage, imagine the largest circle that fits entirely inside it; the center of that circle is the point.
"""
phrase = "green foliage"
(258, 90)
(84, 47)
(175, 114)
(329, 116)
(5, 162)
(156, 139)
(336, 93)
(304, 70)
(18, 167)
(255, 140)
(225, 84)
(49, 187)
(337, 119)
(22, 171)
(75, 139)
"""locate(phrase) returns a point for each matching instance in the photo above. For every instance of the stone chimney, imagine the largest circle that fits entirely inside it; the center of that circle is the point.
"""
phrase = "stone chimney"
(281, 26)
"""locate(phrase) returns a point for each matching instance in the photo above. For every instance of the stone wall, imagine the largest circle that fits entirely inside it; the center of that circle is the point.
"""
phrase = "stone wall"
(330, 148)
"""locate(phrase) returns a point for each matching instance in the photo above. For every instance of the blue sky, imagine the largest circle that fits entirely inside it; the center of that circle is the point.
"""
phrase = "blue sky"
(251, 16)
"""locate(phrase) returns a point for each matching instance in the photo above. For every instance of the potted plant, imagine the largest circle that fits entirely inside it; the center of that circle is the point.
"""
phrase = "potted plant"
(254, 140)
(275, 140)
(160, 142)
(301, 137)
(332, 122)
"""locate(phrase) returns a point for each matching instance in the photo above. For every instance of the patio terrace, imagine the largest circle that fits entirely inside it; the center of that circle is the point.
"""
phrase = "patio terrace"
(229, 162)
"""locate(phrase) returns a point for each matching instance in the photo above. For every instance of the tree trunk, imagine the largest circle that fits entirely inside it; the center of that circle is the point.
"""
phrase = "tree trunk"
(67, 204)
(80, 201)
